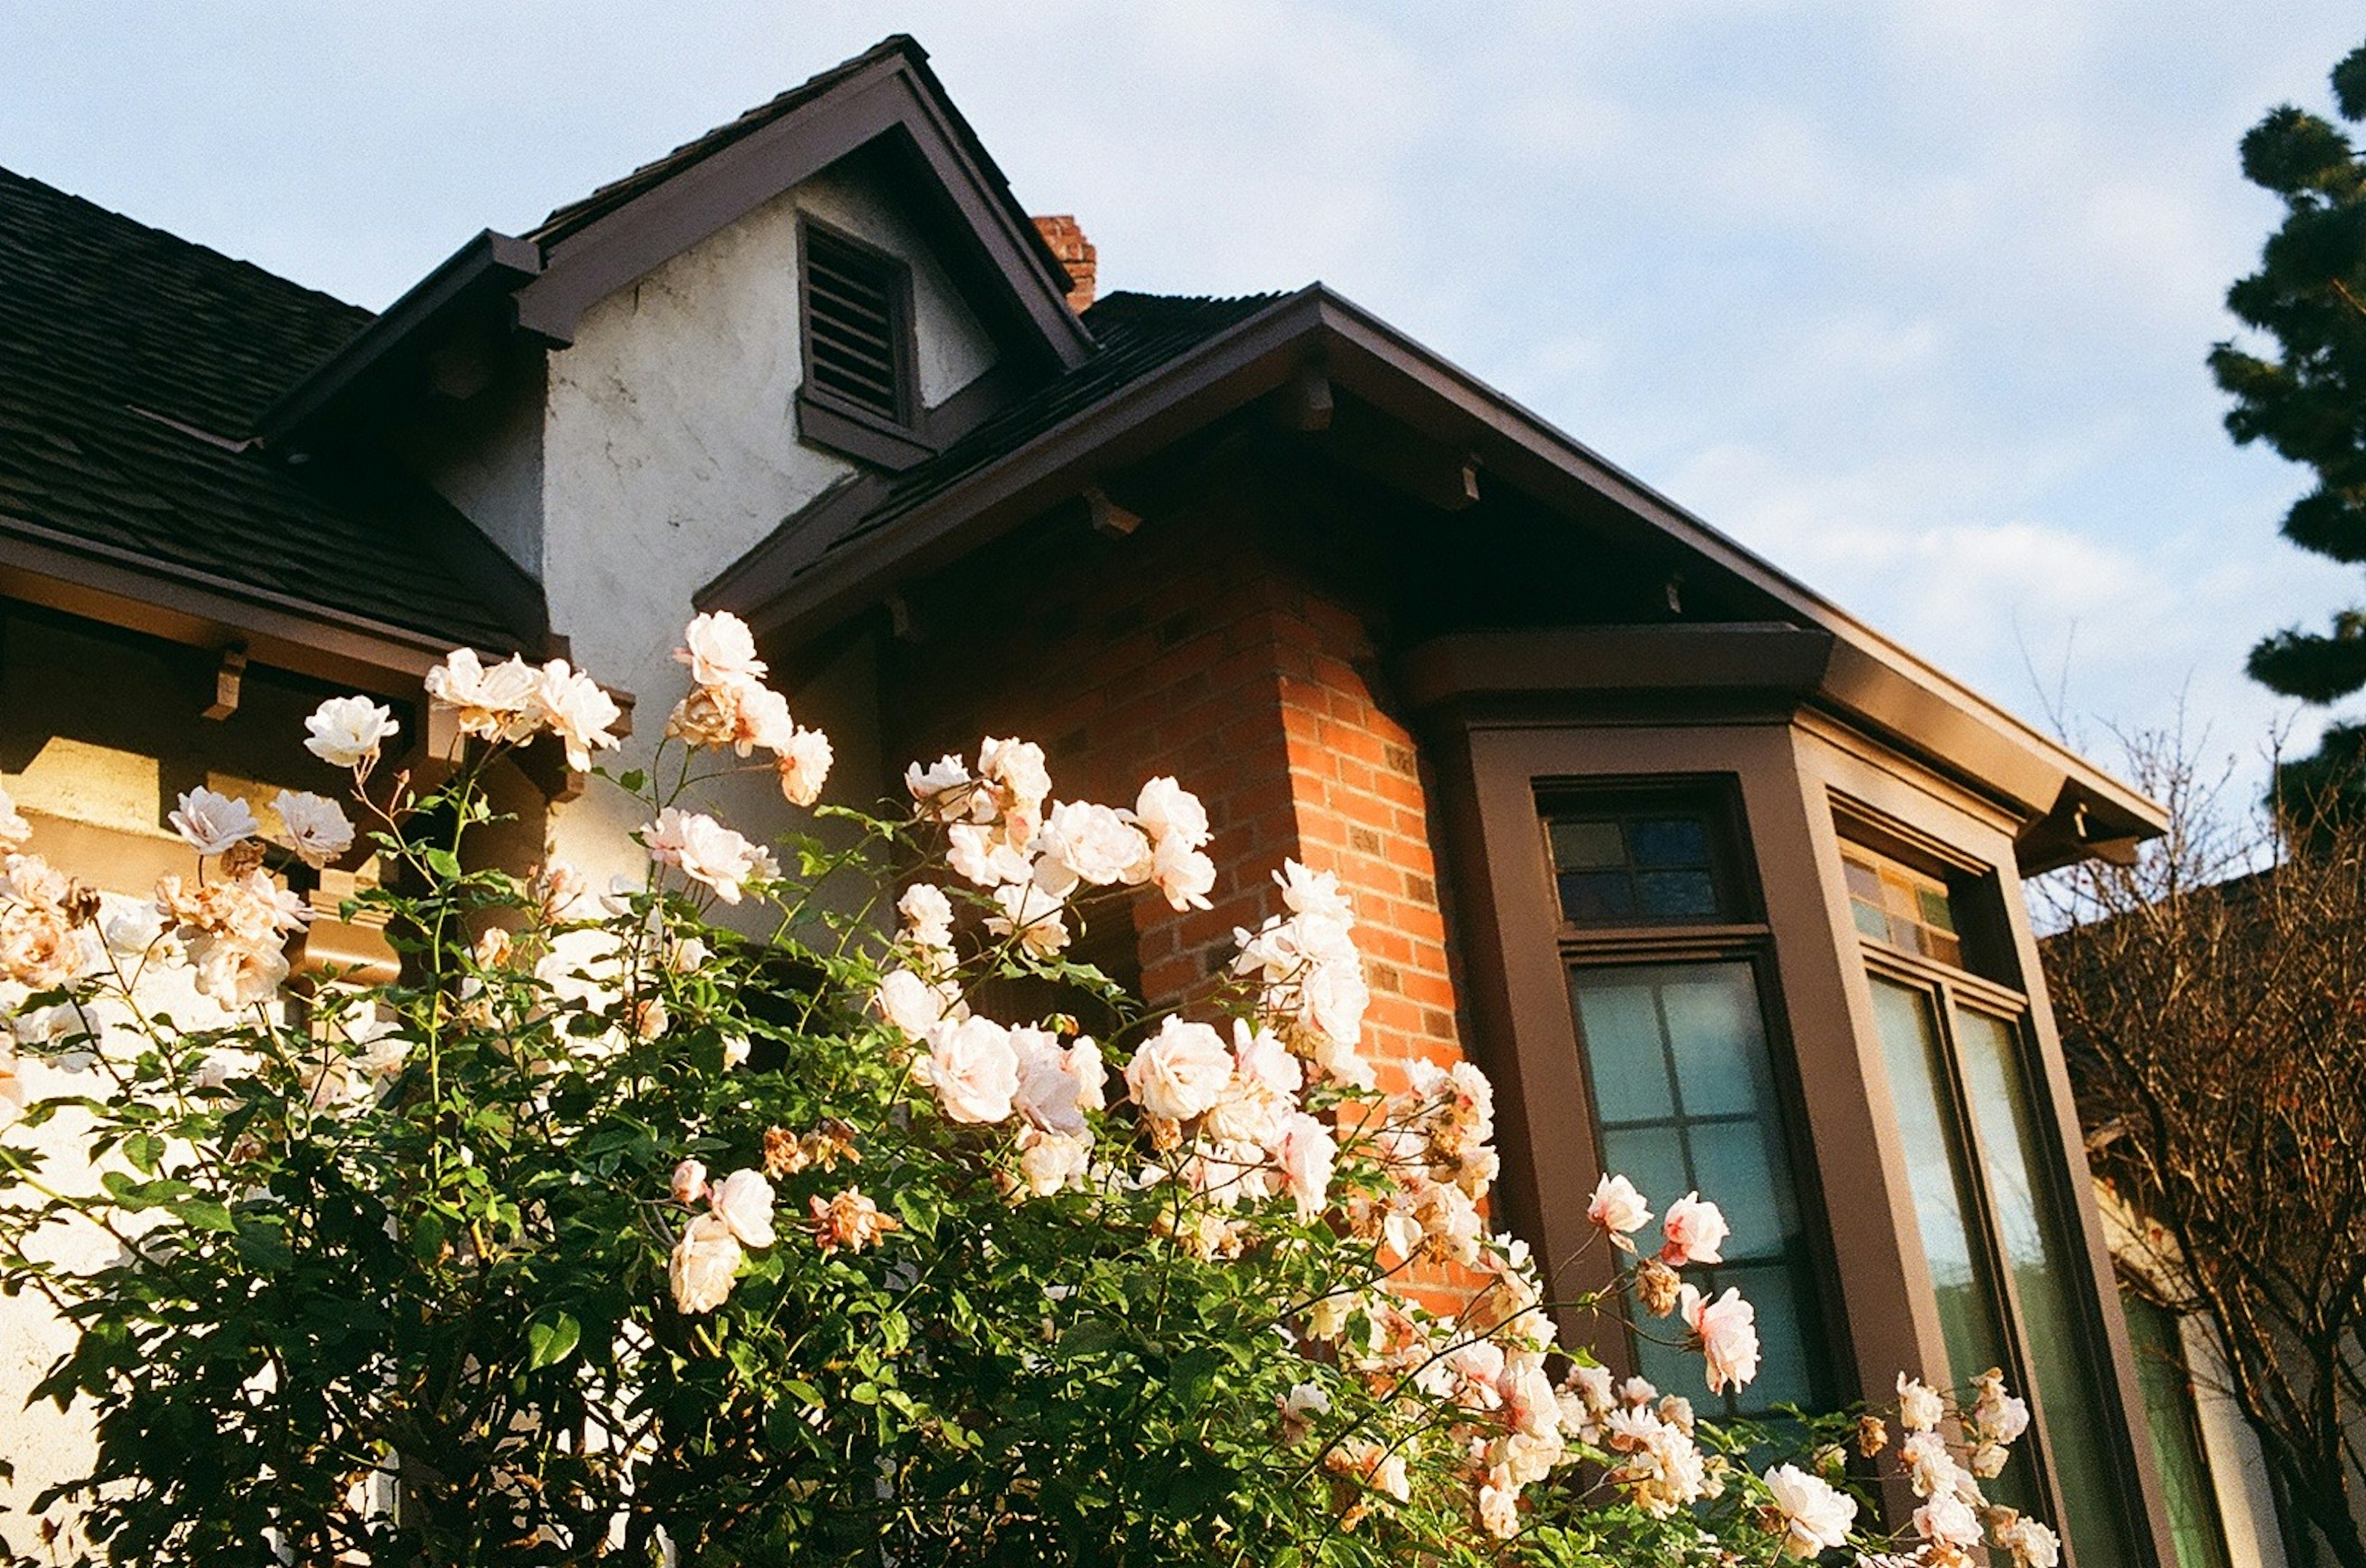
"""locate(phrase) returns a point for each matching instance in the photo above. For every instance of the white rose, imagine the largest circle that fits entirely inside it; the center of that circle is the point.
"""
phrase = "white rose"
(494, 704)
(1314, 894)
(1918, 1408)
(689, 1183)
(1170, 813)
(347, 732)
(1618, 1208)
(212, 822)
(937, 790)
(745, 1200)
(237, 974)
(1018, 767)
(721, 650)
(706, 850)
(1179, 1072)
(1816, 1516)
(1034, 914)
(804, 765)
(974, 1069)
(911, 1004)
(981, 855)
(703, 1262)
(760, 717)
(1183, 872)
(576, 710)
(1056, 1084)
(316, 828)
(1096, 843)
(1307, 1155)
(928, 915)
(1052, 1162)
(1948, 1520)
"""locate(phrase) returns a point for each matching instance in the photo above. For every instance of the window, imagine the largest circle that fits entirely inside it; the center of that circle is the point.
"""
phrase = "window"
(1991, 1200)
(2177, 1445)
(1667, 978)
(859, 394)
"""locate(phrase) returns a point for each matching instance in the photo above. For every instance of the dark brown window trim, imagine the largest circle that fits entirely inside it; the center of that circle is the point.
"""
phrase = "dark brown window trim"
(827, 419)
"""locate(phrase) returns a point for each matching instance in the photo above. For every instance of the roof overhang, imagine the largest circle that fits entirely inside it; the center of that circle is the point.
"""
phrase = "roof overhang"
(798, 585)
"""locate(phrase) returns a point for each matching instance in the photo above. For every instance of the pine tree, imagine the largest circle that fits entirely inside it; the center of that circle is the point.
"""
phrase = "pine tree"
(2308, 403)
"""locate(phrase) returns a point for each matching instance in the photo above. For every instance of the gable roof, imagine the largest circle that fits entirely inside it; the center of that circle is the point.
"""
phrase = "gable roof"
(135, 364)
(885, 101)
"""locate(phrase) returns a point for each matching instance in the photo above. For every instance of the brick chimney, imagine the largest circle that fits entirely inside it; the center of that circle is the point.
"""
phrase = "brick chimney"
(1075, 253)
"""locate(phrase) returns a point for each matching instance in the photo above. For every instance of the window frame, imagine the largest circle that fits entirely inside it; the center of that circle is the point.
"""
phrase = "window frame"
(829, 419)
(1946, 988)
(1596, 945)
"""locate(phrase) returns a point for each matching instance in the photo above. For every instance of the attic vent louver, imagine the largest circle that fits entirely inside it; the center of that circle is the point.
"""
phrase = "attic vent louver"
(858, 325)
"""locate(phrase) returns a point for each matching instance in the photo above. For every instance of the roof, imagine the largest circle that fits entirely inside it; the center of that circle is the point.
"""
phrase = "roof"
(135, 364)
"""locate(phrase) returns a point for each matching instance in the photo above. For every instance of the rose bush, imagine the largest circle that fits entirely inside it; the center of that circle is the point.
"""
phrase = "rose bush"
(611, 1233)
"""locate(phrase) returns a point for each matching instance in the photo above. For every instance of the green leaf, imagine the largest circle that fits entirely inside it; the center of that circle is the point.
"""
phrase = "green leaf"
(143, 1150)
(552, 1339)
(205, 1215)
(633, 781)
(445, 864)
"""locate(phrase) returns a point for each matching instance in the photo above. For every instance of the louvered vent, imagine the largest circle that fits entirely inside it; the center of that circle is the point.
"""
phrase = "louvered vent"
(855, 323)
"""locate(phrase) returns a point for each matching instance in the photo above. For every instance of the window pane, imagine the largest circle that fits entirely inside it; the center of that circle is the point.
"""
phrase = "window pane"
(1713, 1032)
(1939, 1172)
(2185, 1481)
(1676, 895)
(1669, 840)
(1623, 1043)
(2027, 1191)
(1587, 846)
(1597, 895)
(1720, 1133)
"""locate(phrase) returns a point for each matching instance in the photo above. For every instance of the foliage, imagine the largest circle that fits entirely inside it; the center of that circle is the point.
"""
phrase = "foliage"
(2209, 997)
(614, 1230)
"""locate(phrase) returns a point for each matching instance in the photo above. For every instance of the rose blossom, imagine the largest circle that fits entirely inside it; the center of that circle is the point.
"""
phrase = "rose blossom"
(346, 732)
(1181, 1072)
(212, 822)
(1183, 872)
(1618, 1209)
(1033, 915)
(940, 789)
(237, 974)
(575, 709)
(1056, 1084)
(721, 649)
(911, 1004)
(494, 704)
(1499, 1510)
(744, 1198)
(974, 1069)
(928, 915)
(1052, 1162)
(982, 856)
(804, 765)
(703, 1262)
(689, 1183)
(1307, 1155)
(1093, 844)
(1170, 813)
(1726, 1330)
(849, 1221)
(1816, 1515)
(705, 849)
(37, 945)
(1918, 1409)
(2031, 1541)
(1998, 1418)
(1948, 1520)
(317, 828)
(1299, 1408)
(1695, 1231)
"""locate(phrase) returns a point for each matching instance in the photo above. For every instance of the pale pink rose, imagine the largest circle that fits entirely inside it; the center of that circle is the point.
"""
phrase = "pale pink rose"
(15, 831)
(1617, 1209)
(1499, 1511)
(703, 1262)
(1694, 1230)
(1929, 1464)
(2032, 1544)
(974, 1069)
(911, 1005)
(941, 790)
(704, 850)
(1181, 1072)
(493, 704)
(1183, 872)
(1168, 812)
(804, 765)
(347, 732)
(1096, 843)
(1307, 1157)
(1918, 1409)
(1053, 1162)
(721, 650)
(212, 823)
(760, 716)
(1056, 1084)
(1816, 1515)
(1016, 770)
(744, 1198)
(1299, 1408)
(1035, 917)
(689, 1184)
(573, 707)
(1727, 1332)
(1314, 894)
(1260, 1057)
(1998, 1418)
(982, 856)
(1948, 1520)
(37, 947)
(237, 974)
(317, 827)
(928, 915)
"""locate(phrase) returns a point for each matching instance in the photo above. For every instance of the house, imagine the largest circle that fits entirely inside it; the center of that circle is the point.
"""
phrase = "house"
(1721, 886)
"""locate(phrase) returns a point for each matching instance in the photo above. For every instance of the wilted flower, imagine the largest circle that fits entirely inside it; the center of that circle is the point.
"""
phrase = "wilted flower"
(316, 828)
(347, 732)
(1872, 1435)
(1656, 1286)
(850, 1221)
(1816, 1516)
(212, 822)
(37, 947)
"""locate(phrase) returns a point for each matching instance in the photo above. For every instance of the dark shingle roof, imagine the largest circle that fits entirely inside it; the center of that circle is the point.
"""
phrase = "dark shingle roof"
(132, 364)
(1137, 334)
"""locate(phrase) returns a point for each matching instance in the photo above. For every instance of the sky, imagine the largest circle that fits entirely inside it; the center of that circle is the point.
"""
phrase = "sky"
(1912, 299)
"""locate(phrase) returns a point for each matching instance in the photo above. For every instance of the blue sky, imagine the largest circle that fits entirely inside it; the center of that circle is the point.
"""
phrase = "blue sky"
(1910, 297)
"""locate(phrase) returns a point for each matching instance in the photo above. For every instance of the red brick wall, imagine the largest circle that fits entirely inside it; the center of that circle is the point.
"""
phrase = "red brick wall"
(1185, 649)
